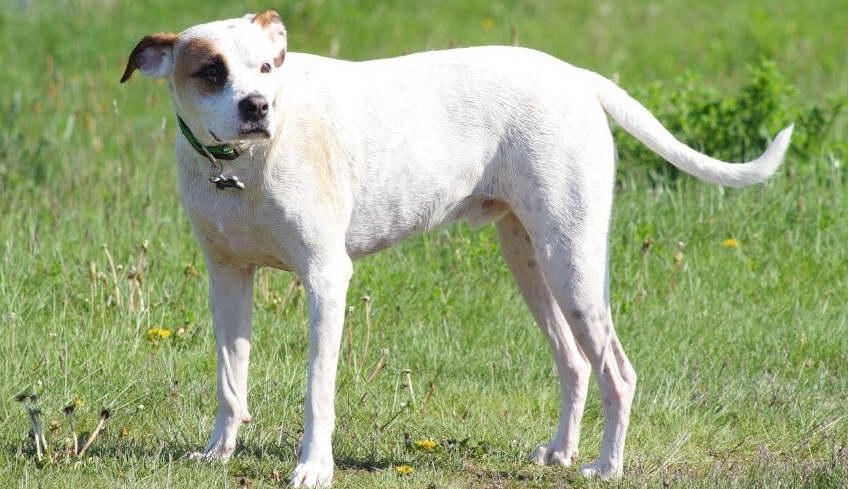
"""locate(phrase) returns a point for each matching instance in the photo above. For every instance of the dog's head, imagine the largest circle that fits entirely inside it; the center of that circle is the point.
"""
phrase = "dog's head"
(221, 75)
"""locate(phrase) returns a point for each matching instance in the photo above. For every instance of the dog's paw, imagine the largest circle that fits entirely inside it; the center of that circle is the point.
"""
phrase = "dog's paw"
(601, 470)
(208, 456)
(312, 474)
(549, 454)
(215, 452)
(222, 440)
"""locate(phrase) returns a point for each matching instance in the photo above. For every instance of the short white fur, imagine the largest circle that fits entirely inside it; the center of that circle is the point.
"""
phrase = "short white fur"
(365, 154)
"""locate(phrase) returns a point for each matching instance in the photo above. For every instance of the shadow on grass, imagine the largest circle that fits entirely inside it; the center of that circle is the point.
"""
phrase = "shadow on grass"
(103, 450)
(343, 461)
(368, 464)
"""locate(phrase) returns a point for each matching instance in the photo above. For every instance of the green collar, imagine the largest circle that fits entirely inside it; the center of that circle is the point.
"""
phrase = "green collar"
(221, 151)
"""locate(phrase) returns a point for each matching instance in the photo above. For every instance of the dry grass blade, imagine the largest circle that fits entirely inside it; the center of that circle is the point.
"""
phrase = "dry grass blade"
(384, 355)
(105, 414)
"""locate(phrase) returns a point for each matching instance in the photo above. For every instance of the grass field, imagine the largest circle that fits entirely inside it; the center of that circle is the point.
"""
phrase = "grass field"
(742, 351)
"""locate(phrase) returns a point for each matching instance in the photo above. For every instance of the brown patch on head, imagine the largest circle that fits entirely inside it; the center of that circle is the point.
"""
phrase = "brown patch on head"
(191, 60)
(266, 18)
(159, 40)
(270, 22)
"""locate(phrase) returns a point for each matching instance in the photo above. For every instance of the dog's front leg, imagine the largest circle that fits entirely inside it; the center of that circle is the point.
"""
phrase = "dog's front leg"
(231, 295)
(326, 286)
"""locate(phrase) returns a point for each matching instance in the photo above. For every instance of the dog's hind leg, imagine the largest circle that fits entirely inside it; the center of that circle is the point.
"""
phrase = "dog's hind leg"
(564, 198)
(571, 364)
(572, 251)
(231, 295)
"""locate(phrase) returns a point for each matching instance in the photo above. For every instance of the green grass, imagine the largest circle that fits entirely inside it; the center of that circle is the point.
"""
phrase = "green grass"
(741, 351)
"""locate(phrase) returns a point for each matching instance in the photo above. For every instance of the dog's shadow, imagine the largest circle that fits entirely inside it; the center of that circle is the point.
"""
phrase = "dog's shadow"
(244, 461)
(343, 461)
(172, 451)
(106, 450)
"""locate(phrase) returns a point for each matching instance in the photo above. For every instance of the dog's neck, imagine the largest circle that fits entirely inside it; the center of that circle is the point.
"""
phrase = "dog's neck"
(227, 152)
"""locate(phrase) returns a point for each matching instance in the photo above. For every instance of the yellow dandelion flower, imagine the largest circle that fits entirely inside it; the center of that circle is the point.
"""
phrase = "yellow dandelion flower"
(426, 444)
(404, 469)
(158, 333)
(730, 243)
(77, 403)
(487, 24)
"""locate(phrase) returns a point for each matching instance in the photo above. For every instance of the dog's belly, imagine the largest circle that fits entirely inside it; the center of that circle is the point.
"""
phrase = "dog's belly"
(366, 235)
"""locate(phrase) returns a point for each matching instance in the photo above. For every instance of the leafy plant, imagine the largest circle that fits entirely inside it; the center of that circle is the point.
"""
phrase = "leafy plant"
(731, 128)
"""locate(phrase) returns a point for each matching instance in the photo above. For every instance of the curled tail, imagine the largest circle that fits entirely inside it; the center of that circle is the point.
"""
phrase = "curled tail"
(636, 120)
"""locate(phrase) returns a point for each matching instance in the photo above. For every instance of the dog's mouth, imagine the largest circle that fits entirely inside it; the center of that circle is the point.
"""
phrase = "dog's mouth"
(254, 130)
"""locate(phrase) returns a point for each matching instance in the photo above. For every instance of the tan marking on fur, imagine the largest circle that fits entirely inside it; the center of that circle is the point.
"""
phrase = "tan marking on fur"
(279, 59)
(190, 58)
(272, 24)
(159, 39)
(325, 157)
(486, 211)
(490, 204)
(266, 18)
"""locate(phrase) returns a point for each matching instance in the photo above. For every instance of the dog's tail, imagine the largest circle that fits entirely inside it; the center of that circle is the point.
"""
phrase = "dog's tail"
(636, 120)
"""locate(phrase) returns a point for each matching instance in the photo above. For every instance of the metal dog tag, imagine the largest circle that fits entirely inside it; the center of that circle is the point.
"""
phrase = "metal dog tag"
(222, 181)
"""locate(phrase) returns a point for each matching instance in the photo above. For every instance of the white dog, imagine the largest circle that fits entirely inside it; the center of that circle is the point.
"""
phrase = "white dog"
(326, 161)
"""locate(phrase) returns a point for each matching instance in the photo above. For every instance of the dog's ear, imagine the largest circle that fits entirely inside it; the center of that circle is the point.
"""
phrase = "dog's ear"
(272, 24)
(153, 55)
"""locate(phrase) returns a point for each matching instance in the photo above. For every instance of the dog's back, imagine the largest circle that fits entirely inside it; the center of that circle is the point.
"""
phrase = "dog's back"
(455, 126)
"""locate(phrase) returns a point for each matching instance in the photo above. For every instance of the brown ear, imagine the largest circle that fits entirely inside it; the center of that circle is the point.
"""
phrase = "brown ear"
(153, 55)
(272, 24)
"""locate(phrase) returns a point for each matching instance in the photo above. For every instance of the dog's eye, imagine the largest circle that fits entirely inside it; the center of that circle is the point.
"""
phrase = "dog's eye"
(265, 68)
(212, 73)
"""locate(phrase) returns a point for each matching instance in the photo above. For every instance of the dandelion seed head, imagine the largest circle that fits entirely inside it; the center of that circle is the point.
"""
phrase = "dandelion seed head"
(23, 396)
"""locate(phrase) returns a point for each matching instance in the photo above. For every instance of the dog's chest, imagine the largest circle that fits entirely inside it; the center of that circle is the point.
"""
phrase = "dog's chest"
(230, 226)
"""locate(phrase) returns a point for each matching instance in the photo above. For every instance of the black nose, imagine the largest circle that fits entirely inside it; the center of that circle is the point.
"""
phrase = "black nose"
(253, 108)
